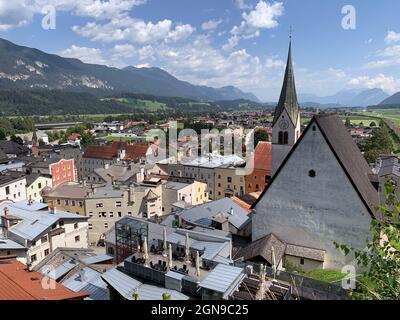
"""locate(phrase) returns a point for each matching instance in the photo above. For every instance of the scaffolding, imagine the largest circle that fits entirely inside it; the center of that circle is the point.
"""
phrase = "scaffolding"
(129, 237)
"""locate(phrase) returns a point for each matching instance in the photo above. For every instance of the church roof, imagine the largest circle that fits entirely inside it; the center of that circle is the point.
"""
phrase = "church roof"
(348, 156)
(288, 99)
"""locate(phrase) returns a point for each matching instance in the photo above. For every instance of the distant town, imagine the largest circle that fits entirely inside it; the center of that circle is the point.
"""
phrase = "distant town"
(86, 215)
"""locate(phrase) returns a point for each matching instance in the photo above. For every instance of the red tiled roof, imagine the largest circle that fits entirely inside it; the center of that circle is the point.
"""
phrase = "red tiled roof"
(262, 156)
(136, 151)
(133, 152)
(74, 136)
(17, 283)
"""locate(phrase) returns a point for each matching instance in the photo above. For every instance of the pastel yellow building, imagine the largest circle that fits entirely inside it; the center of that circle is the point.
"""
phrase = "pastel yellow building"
(35, 183)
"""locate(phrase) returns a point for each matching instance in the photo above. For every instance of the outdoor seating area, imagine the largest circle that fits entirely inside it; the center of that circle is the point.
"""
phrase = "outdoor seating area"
(157, 259)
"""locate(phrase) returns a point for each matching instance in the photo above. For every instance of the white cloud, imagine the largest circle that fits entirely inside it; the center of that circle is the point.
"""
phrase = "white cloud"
(85, 54)
(16, 13)
(274, 62)
(134, 30)
(388, 84)
(242, 5)
(392, 37)
(388, 57)
(211, 24)
(264, 16)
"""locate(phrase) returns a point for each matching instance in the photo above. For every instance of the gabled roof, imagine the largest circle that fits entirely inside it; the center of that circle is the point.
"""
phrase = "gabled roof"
(133, 152)
(288, 99)
(11, 147)
(262, 157)
(263, 248)
(348, 155)
(17, 283)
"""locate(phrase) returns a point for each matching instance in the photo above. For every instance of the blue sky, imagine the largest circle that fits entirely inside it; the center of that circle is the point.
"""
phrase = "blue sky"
(225, 42)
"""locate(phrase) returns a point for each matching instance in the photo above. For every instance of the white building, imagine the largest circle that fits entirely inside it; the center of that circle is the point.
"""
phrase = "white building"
(12, 186)
(34, 230)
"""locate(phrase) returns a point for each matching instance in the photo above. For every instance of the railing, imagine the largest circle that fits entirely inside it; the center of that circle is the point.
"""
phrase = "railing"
(303, 287)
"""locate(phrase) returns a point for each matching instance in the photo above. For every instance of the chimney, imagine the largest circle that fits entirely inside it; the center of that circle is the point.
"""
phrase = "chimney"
(30, 201)
(106, 166)
(84, 183)
(82, 275)
(52, 208)
(5, 211)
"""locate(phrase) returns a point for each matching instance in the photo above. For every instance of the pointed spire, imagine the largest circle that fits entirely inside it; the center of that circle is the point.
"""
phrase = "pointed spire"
(288, 99)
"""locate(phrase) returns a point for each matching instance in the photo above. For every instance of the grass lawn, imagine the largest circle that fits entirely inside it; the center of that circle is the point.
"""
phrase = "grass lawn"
(325, 275)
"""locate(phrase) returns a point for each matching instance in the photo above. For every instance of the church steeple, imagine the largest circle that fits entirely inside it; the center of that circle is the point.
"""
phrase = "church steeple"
(288, 99)
(286, 127)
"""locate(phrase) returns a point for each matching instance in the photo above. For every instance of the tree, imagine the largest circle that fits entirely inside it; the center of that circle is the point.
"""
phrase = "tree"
(87, 139)
(260, 135)
(2, 134)
(381, 280)
(372, 124)
(166, 296)
(380, 143)
(348, 122)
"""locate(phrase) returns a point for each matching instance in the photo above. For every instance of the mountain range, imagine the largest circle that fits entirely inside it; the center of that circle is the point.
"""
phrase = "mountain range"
(352, 98)
(28, 68)
(393, 100)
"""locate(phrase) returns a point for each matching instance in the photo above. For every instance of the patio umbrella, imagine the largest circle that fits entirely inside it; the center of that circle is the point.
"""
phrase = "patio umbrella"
(145, 250)
(170, 256)
(262, 274)
(273, 261)
(165, 241)
(187, 247)
(197, 265)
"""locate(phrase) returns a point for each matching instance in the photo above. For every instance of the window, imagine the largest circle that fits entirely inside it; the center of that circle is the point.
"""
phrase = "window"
(44, 239)
(314, 128)
(58, 201)
(90, 226)
(99, 205)
(280, 137)
(33, 258)
(312, 174)
(110, 251)
(81, 204)
(229, 179)
(73, 203)
(77, 238)
(33, 243)
(75, 225)
(39, 185)
(111, 214)
(61, 223)
(119, 214)
(106, 225)
(302, 261)
(46, 252)
(66, 202)
(286, 138)
(118, 204)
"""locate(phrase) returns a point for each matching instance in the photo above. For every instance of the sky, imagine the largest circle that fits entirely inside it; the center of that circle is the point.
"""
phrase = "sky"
(225, 42)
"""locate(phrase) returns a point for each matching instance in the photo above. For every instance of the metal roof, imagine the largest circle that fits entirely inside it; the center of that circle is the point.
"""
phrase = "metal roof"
(9, 244)
(59, 271)
(97, 259)
(236, 215)
(90, 282)
(222, 278)
(34, 222)
(127, 285)
(121, 282)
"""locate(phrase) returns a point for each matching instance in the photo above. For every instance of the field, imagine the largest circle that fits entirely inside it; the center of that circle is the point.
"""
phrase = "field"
(151, 106)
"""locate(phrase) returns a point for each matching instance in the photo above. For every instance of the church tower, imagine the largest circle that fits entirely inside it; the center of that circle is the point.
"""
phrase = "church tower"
(286, 126)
